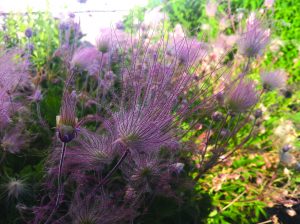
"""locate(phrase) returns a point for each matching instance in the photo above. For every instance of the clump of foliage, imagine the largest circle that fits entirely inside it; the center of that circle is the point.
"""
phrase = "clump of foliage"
(130, 128)
(220, 23)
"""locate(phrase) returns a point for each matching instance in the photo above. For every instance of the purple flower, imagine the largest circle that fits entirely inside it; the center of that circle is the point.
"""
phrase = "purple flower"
(72, 15)
(241, 96)
(120, 25)
(63, 26)
(274, 80)
(253, 41)
(187, 50)
(14, 140)
(92, 153)
(28, 32)
(87, 59)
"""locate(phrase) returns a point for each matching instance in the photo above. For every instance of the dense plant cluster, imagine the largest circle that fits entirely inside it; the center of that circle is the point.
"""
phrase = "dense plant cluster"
(219, 21)
(114, 131)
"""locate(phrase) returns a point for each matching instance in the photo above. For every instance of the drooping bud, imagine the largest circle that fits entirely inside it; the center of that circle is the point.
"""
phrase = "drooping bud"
(286, 148)
(67, 121)
(220, 98)
(258, 113)
(217, 116)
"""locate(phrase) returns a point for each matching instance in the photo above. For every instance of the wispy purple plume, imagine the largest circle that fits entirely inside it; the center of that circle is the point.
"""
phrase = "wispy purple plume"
(255, 38)
(274, 80)
(241, 96)
(87, 59)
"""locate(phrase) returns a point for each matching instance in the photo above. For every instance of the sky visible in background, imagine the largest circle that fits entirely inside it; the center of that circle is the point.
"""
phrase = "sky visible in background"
(91, 23)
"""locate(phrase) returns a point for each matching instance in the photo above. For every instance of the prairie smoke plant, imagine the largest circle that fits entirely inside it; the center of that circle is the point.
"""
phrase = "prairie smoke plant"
(14, 70)
(14, 139)
(92, 152)
(99, 209)
(242, 96)
(5, 108)
(255, 38)
(67, 122)
(187, 50)
(274, 80)
(14, 188)
(147, 173)
(150, 103)
(87, 59)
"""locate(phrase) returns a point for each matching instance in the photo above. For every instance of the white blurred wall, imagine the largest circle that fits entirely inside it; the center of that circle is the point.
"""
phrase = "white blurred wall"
(112, 11)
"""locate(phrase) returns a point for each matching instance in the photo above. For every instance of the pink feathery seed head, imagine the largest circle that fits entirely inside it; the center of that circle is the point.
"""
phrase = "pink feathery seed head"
(241, 96)
(211, 8)
(14, 70)
(98, 209)
(144, 171)
(255, 38)
(223, 43)
(274, 80)
(92, 152)
(5, 108)
(269, 3)
(187, 50)
(67, 121)
(153, 87)
(143, 129)
(87, 59)
(111, 39)
(14, 140)
(104, 41)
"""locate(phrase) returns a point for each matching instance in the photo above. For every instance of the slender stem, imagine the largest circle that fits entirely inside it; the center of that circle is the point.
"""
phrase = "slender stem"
(230, 15)
(2, 158)
(235, 200)
(206, 144)
(59, 183)
(111, 172)
(247, 66)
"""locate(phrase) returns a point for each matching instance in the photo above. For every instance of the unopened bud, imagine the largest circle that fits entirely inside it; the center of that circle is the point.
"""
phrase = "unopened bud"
(258, 113)
(217, 116)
